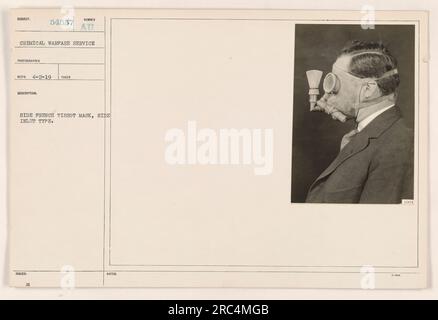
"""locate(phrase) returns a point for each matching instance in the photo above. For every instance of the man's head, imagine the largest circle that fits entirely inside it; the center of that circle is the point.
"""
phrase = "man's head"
(365, 73)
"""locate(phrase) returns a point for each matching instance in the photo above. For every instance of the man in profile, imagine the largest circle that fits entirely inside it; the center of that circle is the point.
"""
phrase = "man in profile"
(375, 162)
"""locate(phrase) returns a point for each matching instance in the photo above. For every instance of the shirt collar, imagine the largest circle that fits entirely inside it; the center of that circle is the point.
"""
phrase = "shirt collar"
(363, 123)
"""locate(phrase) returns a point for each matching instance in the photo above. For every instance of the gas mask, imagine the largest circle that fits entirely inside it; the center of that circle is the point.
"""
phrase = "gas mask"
(341, 89)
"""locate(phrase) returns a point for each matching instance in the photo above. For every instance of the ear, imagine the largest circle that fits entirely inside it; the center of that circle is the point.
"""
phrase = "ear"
(370, 91)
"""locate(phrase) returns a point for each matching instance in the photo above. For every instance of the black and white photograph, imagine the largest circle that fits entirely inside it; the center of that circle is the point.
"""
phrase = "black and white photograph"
(354, 114)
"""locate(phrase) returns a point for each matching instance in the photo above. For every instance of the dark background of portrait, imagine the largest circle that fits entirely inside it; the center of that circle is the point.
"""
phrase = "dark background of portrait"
(316, 137)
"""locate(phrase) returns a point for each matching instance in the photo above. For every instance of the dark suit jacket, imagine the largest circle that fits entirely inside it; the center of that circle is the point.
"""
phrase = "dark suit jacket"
(376, 166)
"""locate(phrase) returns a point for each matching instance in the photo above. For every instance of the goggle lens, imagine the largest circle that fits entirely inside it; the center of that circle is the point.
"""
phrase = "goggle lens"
(331, 83)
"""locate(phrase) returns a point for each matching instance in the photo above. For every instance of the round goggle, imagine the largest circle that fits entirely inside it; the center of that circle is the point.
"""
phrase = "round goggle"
(331, 83)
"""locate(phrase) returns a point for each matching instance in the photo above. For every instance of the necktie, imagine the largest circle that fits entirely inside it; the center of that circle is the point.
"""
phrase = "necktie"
(346, 138)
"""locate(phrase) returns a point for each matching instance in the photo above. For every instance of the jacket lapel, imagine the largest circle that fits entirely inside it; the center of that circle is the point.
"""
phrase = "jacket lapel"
(359, 142)
(356, 145)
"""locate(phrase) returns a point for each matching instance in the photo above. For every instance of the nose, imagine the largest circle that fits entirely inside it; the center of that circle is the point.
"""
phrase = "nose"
(321, 104)
(326, 96)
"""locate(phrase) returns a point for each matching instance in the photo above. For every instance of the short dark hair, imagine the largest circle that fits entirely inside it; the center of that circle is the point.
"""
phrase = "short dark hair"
(372, 62)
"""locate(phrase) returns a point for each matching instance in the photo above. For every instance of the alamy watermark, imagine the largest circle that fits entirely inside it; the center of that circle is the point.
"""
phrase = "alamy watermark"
(225, 146)
(67, 280)
(368, 20)
(368, 279)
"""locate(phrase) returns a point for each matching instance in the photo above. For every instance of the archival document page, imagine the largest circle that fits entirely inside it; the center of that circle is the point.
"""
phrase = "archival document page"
(211, 148)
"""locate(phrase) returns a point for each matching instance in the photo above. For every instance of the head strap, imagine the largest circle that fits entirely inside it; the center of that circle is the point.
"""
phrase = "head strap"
(388, 74)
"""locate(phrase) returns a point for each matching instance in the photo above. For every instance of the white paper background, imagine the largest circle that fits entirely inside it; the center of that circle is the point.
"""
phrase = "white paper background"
(6, 292)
